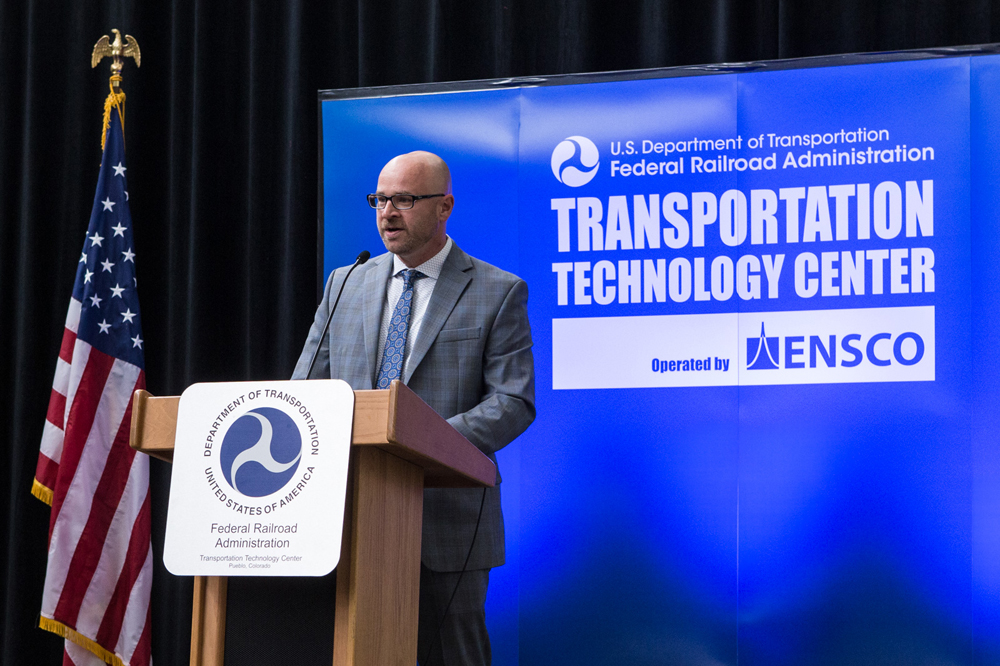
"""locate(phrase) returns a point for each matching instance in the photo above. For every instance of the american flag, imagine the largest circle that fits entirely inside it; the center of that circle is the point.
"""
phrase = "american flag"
(99, 572)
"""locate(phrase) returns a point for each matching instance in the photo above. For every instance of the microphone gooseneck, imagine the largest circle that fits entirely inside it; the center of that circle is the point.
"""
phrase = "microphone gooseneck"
(362, 258)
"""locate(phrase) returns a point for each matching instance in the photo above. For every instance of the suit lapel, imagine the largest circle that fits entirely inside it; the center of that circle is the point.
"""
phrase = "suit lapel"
(455, 277)
(376, 280)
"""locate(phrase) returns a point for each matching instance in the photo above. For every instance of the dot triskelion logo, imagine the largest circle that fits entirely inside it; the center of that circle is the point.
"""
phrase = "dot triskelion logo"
(575, 161)
(261, 452)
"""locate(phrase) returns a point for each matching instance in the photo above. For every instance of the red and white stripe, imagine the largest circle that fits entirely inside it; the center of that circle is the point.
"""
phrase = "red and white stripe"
(52, 435)
(99, 573)
(75, 655)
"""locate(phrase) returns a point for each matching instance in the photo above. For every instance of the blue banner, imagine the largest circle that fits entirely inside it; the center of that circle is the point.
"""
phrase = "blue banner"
(763, 306)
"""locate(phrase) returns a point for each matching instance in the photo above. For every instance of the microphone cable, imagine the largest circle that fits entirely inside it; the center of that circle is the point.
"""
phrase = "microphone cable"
(468, 556)
(362, 258)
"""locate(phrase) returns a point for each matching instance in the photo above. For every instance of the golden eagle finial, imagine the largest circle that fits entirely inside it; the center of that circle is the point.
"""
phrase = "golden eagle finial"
(117, 51)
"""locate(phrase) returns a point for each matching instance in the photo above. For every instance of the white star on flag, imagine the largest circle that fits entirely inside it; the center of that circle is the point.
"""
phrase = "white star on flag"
(119, 170)
(83, 258)
(95, 240)
(96, 300)
(117, 291)
(137, 342)
(104, 326)
(108, 203)
(127, 315)
(86, 278)
(129, 255)
(119, 230)
(107, 265)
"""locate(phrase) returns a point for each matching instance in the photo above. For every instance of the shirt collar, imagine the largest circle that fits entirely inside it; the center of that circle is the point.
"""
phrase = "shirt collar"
(430, 268)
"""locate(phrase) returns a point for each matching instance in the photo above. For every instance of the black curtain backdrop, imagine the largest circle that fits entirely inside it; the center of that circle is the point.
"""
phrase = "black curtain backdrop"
(221, 137)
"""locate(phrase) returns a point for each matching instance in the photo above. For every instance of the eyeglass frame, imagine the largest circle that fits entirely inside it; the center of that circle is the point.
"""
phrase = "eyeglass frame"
(388, 199)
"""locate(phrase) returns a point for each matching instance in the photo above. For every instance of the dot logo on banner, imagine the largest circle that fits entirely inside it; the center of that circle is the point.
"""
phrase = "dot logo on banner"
(261, 452)
(570, 155)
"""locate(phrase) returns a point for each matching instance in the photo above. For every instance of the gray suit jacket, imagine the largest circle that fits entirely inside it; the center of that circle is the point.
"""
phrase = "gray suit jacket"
(471, 362)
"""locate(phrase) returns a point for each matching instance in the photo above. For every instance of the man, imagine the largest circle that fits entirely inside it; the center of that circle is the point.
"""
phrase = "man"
(455, 330)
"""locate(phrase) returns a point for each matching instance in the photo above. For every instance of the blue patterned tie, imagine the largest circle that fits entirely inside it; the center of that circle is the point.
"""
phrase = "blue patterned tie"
(395, 341)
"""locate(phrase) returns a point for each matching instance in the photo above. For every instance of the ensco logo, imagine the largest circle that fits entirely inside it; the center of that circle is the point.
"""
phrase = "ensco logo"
(261, 452)
(575, 161)
(881, 349)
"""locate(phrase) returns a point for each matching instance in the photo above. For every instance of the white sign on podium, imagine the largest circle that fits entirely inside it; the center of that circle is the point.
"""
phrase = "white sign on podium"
(259, 478)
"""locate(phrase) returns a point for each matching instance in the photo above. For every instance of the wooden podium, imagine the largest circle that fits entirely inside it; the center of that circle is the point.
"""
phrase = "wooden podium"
(399, 446)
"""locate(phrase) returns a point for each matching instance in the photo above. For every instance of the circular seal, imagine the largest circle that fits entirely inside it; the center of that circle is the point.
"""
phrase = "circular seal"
(572, 153)
(261, 452)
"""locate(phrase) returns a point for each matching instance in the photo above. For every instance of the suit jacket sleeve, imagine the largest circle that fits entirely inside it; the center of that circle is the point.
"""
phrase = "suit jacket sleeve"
(507, 405)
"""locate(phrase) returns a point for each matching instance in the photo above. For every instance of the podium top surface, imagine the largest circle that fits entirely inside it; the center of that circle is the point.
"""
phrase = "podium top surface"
(395, 420)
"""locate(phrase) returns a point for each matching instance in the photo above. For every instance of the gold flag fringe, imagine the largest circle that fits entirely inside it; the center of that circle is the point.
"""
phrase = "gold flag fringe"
(41, 492)
(61, 629)
(115, 100)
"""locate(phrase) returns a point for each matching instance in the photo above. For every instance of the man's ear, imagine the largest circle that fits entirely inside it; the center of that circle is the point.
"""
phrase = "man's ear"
(445, 207)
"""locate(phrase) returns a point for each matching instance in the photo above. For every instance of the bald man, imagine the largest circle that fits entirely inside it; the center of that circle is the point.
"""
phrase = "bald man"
(455, 330)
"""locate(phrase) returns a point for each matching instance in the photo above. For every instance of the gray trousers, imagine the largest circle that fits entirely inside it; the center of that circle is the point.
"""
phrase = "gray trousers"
(462, 639)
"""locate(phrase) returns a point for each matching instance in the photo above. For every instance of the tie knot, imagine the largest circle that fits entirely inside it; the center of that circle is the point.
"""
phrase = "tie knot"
(409, 276)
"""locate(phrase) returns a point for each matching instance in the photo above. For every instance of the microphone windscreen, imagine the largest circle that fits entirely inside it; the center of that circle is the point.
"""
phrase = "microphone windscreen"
(363, 257)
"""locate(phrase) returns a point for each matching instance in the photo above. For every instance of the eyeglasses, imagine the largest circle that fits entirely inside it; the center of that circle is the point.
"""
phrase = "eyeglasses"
(399, 201)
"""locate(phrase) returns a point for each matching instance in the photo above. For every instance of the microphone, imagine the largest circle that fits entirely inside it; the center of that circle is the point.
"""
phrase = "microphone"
(362, 258)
